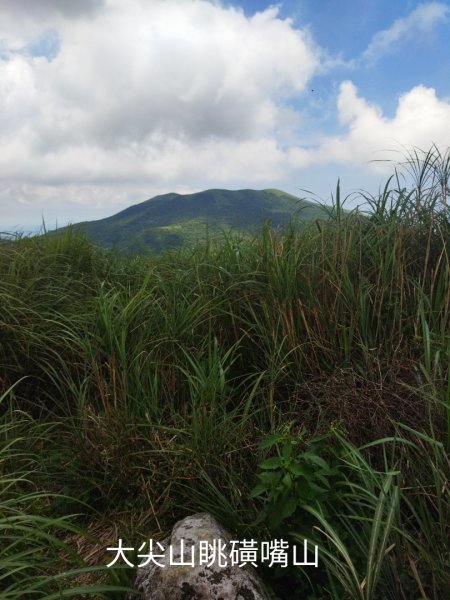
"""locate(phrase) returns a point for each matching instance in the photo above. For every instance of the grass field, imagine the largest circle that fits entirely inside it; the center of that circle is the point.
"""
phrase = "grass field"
(294, 385)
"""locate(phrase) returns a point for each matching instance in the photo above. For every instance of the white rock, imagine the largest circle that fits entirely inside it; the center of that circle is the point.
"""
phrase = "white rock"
(200, 582)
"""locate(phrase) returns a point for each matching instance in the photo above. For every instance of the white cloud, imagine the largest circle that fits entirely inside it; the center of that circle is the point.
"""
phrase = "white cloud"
(421, 120)
(420, 21)
(141, 72)
(154, 91)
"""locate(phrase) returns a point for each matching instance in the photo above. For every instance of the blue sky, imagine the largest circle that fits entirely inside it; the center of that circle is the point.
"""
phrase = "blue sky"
(106, 103)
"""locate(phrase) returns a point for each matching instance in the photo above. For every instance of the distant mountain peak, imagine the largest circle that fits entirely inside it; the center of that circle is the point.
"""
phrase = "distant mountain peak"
(170, 220)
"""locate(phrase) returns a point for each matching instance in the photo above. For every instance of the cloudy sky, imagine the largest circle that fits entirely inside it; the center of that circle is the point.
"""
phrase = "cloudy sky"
(105, 103)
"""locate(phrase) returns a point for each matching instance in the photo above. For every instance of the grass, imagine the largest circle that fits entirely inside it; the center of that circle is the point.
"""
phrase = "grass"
(37, 560)
(313, 364)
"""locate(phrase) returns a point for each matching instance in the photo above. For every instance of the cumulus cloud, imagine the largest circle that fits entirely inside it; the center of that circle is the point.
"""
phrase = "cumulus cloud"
(421, 120)
(422, 20)
(151, 71)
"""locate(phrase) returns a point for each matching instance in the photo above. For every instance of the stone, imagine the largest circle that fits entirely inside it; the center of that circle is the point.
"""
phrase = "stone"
(198, 582)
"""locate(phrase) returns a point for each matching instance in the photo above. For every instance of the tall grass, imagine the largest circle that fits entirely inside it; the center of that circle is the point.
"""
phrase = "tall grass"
(36, 561)
(153, 380)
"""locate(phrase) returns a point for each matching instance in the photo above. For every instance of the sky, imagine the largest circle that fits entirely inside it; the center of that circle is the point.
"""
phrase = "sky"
(106, 103)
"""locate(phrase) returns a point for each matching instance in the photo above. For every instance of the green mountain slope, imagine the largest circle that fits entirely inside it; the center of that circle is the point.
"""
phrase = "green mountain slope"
(170, 220)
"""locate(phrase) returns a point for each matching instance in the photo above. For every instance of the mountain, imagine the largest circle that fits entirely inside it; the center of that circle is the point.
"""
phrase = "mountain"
(170, 220)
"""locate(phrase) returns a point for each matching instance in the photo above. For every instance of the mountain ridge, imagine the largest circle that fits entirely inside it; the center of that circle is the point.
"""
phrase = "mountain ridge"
(171, 220)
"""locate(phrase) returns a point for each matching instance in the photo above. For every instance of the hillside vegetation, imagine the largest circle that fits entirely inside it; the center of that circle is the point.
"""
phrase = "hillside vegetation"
(295, 384)
(174, 220)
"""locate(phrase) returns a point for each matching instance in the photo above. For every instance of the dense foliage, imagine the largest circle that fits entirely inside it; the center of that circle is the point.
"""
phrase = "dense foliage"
(295, 385)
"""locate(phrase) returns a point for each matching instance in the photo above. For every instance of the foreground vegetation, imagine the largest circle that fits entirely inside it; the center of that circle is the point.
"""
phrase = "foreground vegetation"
(294, 385)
